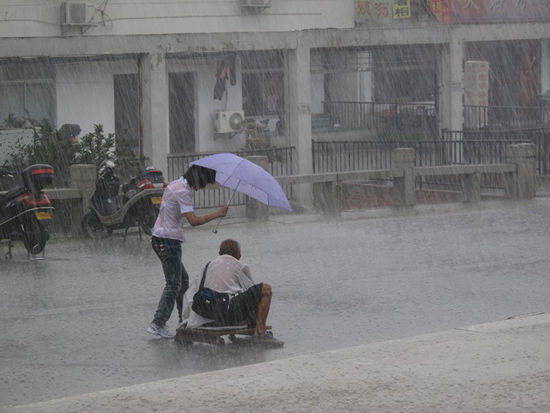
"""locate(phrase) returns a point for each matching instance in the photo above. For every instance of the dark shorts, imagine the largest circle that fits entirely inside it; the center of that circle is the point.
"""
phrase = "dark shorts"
(244, 306)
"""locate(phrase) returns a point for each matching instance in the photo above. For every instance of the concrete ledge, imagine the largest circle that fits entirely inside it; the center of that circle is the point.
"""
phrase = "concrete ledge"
(503, 366)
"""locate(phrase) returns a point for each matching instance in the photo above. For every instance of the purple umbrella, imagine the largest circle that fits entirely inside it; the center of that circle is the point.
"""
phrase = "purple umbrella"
(246, 177)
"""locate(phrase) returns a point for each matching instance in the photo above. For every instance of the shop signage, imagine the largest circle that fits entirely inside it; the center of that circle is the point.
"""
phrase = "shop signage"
(441, 9)
(401, 9)
(490, 11)
(382, 10)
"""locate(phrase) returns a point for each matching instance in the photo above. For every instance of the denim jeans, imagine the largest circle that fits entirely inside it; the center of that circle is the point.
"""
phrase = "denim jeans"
(177, 280)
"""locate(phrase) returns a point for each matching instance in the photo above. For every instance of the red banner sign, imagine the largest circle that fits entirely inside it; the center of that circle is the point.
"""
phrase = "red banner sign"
(442, 10)
(488, 11)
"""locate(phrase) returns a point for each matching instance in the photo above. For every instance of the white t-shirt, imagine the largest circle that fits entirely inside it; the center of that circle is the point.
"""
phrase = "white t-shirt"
(225, 274)
(177, 200)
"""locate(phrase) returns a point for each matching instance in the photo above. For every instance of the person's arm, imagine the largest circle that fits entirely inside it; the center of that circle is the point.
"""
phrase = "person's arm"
(245, 278)
(195, 220)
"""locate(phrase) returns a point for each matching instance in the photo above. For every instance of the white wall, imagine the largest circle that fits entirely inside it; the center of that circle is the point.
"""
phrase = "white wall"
(206, 106)
(317, 92)
(344, 87)
(85, 93)
(29, 18)
(545, 66)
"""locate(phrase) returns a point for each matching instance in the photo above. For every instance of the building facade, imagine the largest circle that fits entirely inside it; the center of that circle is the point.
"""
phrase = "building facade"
(169, 74)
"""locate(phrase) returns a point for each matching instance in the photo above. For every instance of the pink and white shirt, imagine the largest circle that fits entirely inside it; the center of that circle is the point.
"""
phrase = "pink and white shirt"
(177, 200)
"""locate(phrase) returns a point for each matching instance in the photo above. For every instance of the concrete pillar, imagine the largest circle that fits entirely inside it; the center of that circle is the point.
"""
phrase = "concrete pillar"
(451, 85)
(155, 110)
(328, 196)
(450, 93)
(544, 65)
(471, 187)
(83, 178)
(523, 184)
(299, 116)
(404, 188)
(254, 208)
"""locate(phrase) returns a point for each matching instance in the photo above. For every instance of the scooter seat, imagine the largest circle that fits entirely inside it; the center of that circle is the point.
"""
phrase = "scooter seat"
(12, 193)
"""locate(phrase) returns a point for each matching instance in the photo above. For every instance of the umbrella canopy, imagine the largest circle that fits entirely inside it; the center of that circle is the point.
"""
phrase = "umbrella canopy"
(246, 177)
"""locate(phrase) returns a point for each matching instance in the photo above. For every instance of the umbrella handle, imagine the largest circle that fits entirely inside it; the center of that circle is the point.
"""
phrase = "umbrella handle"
(215, 230)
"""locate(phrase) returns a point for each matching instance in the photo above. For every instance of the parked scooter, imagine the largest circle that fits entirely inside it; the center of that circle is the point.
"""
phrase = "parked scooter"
(139, 205)
(25, 210)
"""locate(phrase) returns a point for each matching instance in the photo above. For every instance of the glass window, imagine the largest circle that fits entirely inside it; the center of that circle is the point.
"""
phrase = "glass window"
(27, 91)
(263, 93)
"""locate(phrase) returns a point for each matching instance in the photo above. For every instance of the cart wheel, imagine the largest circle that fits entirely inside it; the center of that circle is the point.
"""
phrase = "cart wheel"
(232, 338)
(221, 341)
(183, 339)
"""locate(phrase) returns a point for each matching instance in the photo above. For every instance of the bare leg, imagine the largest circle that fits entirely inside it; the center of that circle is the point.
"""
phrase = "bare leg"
(263, 310)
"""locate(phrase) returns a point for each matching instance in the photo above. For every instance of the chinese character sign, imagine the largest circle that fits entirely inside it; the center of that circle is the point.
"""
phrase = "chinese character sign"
(476, 83)
(441, 9)
(373, 10)
(401, 9)
(481, 11)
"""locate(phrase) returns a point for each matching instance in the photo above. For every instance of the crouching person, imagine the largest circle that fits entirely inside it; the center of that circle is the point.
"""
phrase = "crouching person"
(249, 303)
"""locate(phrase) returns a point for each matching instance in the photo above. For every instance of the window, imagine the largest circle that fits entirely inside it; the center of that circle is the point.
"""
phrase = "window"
(263, 93)
(27, 91)
(263, 83)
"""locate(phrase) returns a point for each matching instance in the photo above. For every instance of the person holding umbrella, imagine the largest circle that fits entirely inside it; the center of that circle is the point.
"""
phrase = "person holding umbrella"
(167, 237)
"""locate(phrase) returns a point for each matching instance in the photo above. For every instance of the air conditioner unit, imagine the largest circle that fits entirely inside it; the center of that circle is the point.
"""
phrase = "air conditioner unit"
(74, 13)
(256, 4)
(229, 121)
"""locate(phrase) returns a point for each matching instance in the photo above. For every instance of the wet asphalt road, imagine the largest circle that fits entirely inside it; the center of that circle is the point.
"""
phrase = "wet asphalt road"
(75, 322)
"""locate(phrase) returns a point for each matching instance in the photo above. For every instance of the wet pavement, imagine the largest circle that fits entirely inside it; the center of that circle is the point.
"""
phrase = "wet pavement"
(75, 322)
(502, 366)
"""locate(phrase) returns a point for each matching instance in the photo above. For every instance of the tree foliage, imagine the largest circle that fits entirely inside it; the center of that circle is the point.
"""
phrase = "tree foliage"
(49, 146)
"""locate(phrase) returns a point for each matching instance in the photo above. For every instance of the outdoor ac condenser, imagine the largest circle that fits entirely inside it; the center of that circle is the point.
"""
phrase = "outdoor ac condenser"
(229, 121)
(256, 4)
(76, 13)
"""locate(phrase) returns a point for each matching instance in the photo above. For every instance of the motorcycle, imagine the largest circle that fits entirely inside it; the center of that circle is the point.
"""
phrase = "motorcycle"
(139, 205)
(25, 210)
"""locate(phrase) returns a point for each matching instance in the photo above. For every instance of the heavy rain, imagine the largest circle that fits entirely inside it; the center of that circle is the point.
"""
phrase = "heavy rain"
(410, 138)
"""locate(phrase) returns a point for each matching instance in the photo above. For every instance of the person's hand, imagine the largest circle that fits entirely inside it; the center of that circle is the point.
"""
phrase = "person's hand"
(223, 211)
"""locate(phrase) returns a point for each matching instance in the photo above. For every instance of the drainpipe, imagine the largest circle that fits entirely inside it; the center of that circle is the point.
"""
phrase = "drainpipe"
(140, 107)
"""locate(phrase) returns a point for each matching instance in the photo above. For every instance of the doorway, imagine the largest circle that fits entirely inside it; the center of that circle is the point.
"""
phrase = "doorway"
(127, 111)
(182, 112)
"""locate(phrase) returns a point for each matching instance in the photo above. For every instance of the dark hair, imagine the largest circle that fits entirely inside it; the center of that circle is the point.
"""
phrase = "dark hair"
(230, 247)
(198, 176)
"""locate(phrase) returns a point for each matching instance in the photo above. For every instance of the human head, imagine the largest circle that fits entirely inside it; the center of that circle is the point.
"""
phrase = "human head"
(230, 247)
(198, 176)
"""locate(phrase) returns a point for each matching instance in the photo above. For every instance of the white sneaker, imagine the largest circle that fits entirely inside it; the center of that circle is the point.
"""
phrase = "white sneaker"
(159, 331)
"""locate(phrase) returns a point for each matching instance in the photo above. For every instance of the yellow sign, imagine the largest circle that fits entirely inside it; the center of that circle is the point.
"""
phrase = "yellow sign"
(42, 215)
(373, 10)
(156, 200)
(401, 9)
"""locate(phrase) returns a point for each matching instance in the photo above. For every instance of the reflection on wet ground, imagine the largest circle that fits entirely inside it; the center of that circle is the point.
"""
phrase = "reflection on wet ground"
(75, 322)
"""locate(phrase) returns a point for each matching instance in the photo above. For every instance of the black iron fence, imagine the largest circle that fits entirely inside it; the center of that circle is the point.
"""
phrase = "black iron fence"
(485, 146)
(506, 117)
(389, 120)
(455, 148)
(280, 163)
(342, 156)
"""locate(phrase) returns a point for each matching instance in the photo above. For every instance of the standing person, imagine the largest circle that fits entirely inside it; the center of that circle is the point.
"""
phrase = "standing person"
(167, 237)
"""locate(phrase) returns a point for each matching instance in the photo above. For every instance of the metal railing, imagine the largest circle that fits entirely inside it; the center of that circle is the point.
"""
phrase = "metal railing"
(485, 146)
(456, 148)
(338, 156)
(280, 163)
(388, 120)
(506, 117)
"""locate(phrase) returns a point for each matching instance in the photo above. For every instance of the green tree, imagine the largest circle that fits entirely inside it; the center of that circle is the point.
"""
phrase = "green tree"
(48, 147)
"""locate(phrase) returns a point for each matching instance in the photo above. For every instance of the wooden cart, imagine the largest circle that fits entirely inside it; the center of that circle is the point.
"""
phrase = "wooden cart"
(214, 335)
